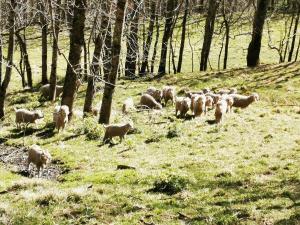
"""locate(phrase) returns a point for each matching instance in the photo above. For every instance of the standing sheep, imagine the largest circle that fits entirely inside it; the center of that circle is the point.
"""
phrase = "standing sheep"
(182, 105)
(155, 93)
(148, 101)
(208, 103)
(45, 90)
(221, 108)
(216, 97)
(127, 105)
(229, 100)
(26, 116)
(115, 130)
(60, 116)
(38, 157)
(199, 106)
(168, 93)
(242, 101)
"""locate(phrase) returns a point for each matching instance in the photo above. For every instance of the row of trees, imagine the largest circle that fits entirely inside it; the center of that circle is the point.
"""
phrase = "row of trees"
(145, 27)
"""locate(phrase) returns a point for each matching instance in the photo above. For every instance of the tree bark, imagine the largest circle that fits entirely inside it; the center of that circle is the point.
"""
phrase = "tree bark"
(155, 44)
(44, 26)
(183, 33)
(132, 42)
(209, 31)
(10, 54)
(55, 26)
(149, 39)
(1, 57)
(76, 44)
(110, 85)
(171, 6)
(258, 25)
(294, 34)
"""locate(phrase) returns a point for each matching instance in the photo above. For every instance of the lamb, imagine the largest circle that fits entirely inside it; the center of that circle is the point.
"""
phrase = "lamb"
(148, 101)
(115, 130)
(227, 91)
(45, 90)
(208, 103)
(168, 93)
(127, 105)
(155, 93)
(242, 101)
(26, 116)
(60, 116)
(221, 108)
(38, 157)
(182, 105)
(199, 105)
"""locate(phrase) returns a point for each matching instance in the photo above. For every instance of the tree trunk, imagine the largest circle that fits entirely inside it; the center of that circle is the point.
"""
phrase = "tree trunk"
(1, 57)
(294, 35)
(184, 21)
(24, 52)
(55, 26)
(155, 45)
(116, 49)
(171, 6)
(132, 42)
(76, 44)
(44, 26)
(258, 25)
(149, 39)
(10, 54)
(209, 31)
(90, 91)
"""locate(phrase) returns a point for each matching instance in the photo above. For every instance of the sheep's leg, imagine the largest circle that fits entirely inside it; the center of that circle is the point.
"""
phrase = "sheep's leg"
(121, 139)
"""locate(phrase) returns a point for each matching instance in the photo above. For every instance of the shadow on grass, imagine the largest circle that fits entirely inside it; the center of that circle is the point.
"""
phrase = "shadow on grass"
(48, 132)
(19, 133)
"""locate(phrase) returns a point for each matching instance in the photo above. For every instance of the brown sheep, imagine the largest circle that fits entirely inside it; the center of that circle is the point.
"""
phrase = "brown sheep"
(26, 116)
(242, 101)
(199, 105)
(38, 157)
(221, 108)
(182, 105)
(208, 103)
(115, 130)
(60, 116)
(155, 93)
(168, 93)
(148, 101)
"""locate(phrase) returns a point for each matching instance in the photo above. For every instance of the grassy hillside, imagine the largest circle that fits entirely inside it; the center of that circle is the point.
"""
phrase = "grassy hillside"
(245, 171)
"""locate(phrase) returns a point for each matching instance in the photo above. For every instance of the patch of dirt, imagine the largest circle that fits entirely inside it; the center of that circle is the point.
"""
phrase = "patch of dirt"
(15, 160)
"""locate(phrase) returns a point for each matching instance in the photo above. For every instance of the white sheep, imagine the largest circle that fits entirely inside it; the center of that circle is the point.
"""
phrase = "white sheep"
(199, 105)
(242, 101)
(148, 101)
(27, 117)
(229, 100)
(60, 116)
(38, 157)
(128, 105)
(182, 105)
(168, 93)
(116, 130)
(221, 108)
(45, 90)
(155, 93)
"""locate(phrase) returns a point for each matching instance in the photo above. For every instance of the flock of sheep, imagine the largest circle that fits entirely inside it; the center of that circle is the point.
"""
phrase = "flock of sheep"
(198, 102)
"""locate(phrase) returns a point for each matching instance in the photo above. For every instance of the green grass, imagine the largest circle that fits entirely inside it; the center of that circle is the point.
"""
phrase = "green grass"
(245, 171)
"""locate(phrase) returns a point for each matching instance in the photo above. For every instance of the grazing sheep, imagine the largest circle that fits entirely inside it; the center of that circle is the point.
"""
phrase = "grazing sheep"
(227, 91)
(242, 101)
(168, 93)
(208, 103)
(199, 105)
(182, 105)
(115, 130)
(26, 116)
(38, 157)
(60, 116)
(127, 105)
(155, 93)
(45, 90)
(221, 108)
(148, 101)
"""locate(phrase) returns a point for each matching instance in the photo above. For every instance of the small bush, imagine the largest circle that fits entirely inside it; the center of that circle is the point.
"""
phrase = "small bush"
(170, 184)
(92, 129)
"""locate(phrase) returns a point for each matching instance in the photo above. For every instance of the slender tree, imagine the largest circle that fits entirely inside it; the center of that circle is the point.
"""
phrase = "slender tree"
(257, 31)
(76, 45)
(116, 49)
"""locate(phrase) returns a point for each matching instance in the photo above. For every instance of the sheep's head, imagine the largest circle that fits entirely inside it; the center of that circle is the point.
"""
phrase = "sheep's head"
(38, 114)
(158, 106)
(254, 97)
(130, 125)
(45, 157)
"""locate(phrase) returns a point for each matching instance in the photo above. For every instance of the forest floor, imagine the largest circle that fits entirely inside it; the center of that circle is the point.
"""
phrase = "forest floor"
(244, 171)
